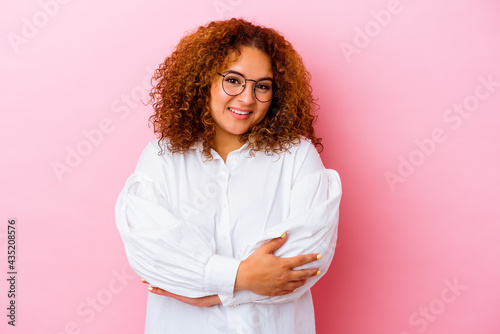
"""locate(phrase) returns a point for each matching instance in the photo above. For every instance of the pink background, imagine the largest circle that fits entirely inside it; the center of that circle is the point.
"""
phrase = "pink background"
(418, 247)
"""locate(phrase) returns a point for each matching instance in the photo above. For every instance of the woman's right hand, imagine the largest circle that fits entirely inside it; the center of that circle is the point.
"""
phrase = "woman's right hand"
(265, 274)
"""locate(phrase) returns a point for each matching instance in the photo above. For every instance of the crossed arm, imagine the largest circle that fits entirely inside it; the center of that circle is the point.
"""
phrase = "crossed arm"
(262, 273)
(180, 260)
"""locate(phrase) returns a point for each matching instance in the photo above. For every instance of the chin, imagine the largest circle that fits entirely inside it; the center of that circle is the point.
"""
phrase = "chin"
(237, 131)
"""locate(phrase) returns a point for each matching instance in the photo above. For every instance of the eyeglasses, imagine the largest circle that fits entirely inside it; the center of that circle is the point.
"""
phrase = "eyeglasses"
(234, 84)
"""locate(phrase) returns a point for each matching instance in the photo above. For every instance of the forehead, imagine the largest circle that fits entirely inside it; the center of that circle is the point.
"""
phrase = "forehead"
(250, 62)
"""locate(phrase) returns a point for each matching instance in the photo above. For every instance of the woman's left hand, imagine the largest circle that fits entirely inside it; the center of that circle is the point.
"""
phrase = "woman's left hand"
(200, 302)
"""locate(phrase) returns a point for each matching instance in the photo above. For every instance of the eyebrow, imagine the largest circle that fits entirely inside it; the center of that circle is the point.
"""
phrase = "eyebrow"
(236, 72)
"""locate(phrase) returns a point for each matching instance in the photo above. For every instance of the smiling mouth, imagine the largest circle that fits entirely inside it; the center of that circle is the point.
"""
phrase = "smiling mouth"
(239, 112)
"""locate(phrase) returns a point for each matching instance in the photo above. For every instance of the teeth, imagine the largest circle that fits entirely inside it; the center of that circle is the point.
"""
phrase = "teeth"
(239, 112)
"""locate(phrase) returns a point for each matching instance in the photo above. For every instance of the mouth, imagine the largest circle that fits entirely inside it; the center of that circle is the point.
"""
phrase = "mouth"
(239, 112)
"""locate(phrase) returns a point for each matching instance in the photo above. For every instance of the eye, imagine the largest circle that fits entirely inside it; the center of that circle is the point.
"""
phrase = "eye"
(263, 86)
(233, 80)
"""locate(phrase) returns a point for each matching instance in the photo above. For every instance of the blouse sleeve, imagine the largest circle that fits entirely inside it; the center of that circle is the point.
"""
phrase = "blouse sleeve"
(311, 227)
(169, 253)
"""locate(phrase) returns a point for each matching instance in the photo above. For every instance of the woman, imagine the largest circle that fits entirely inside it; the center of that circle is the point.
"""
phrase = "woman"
(230, 216)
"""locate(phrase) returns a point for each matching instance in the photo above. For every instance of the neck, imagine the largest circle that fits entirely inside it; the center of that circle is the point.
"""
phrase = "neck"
(225, 143)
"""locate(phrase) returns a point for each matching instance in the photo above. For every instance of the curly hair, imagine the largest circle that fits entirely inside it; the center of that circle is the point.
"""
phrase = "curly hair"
(181, 91)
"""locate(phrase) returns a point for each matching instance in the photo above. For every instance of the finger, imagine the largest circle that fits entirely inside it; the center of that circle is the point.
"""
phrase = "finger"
(160, 291)
(304, 274)
(274, 244)
(200, 302)
(282, 293)
(144, 281)
(293, 286)
(166, 293)
(300, 260)
(289, 288)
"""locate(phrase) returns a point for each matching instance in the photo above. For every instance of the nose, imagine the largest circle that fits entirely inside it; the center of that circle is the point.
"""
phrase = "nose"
(247, 95)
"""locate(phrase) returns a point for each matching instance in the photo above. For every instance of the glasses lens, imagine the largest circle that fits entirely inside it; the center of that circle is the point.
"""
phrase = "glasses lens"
(233, 84)
(264, 90)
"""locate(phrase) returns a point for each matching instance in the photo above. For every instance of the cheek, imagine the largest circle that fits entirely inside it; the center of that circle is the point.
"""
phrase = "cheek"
(264, 110)
(217, 96)
(213, 94)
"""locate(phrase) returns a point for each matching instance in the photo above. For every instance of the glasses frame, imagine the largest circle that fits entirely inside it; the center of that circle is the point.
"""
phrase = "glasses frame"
(245, 86)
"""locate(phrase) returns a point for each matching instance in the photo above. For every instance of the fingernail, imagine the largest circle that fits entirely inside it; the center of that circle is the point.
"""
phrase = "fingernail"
(294, 290)
(319, 272)
(283, 235)
(318, 257)
(142, 279)
(151, 288)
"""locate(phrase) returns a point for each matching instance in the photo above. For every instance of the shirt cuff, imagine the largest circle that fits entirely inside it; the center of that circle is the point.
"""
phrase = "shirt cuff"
(240, 297)
(220, 275)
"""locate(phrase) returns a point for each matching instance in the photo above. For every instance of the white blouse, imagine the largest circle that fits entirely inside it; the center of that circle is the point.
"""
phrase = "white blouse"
(188, 223)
